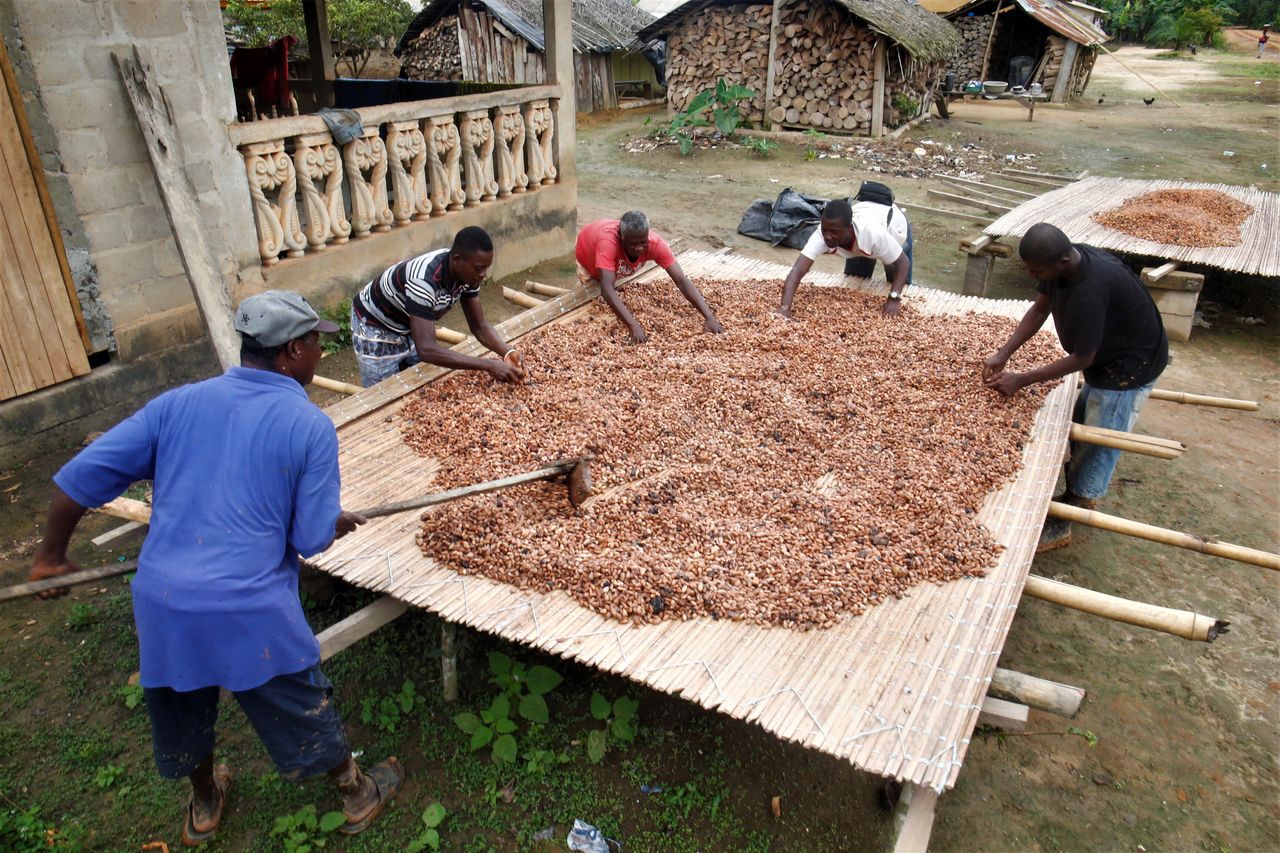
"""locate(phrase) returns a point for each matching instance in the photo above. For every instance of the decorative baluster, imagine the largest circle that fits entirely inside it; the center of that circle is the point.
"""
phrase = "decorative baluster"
(369, 210)
(444, 150)
(509, 132)
(407, 153)
(315, 158)
(540, 129)
(269, 168)
(477, 156)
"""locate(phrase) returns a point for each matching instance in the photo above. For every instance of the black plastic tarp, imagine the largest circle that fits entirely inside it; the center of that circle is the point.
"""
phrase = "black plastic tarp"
(787, 221)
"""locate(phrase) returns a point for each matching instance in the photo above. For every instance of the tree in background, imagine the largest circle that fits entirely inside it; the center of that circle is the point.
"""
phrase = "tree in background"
(357, 27)
(1164, 23)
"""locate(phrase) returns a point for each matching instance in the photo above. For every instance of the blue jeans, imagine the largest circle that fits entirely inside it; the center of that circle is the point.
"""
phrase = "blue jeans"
(864, 267)
(1089, 471)
(380, 352)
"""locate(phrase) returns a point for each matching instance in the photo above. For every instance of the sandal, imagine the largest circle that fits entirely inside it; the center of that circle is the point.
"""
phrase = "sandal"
(192, 837)
(387, 778)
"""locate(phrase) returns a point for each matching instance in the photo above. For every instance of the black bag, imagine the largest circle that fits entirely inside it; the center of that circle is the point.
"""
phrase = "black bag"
(877, 193)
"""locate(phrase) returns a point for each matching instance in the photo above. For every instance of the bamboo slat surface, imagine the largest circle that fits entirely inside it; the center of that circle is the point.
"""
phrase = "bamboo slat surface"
(895, 691)
(1070, 207)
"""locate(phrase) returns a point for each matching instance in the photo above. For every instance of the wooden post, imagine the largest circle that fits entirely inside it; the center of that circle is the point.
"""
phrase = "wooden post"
(359, 625)
(151, 106)
(1061, 86)
(1002, 714)
(771, 73)
(320, 50)
(557, 31)
(913, 819)
(449, 661)
(877, 91)
(986, 54)
(1039, 693)
(977, 272)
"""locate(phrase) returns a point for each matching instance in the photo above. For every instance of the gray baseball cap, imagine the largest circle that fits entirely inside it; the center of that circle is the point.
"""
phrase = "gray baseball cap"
(275, 317)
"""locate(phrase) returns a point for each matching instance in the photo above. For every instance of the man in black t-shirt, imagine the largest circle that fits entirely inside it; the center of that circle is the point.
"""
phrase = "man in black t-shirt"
(393, 317)
(1111, 331)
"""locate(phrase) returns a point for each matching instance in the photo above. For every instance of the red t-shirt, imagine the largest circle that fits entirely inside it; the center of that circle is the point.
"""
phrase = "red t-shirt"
(600, 248)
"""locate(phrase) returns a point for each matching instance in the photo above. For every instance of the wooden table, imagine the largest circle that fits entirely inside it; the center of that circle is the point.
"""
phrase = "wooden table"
(1028, 101)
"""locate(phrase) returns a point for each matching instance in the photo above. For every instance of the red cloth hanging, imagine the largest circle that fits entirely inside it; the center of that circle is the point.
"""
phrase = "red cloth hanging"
(265, 70)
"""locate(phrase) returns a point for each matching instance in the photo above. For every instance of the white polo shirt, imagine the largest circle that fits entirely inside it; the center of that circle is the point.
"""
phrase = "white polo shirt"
(873, 237)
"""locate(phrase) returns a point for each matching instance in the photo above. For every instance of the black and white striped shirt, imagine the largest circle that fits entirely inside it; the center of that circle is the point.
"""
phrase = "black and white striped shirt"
(419, 287)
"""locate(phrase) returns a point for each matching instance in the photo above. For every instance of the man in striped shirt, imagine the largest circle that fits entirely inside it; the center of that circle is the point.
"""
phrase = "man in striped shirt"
(393, 317)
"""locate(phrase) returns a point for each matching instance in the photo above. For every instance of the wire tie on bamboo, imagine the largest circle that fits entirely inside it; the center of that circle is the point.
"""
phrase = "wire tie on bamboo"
(466, 607)
(618, 639)
(799, 698)
(711, 675)
(507, 621)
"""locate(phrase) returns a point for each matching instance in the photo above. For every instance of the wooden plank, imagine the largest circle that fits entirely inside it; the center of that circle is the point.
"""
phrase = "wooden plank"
(977, 273)
(1154, 274)
(913, 819)
(877, 89)
(1060, 91)
(771, 70)
(127, 508)
(1062, 180)
(150, 105)
(359, 625)
(1039, 693)
(1003, 714)
(1038, 181)
(18, 376)
(963, 215)
(36, 169)
(989, 206)
(1190, 282)
(116, 532)
(986, 185)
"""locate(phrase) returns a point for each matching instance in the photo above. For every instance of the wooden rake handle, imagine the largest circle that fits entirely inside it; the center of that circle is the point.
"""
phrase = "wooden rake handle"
(24, 589)
(557, 469)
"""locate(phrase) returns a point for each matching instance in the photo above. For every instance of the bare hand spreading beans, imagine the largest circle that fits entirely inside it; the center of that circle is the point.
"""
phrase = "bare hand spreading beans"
(783, 472)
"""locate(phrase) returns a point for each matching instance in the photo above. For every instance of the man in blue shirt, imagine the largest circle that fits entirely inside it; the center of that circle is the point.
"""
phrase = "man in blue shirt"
(245, 472)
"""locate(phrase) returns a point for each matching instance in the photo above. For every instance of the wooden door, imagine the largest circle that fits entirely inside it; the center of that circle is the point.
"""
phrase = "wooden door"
(42, 334)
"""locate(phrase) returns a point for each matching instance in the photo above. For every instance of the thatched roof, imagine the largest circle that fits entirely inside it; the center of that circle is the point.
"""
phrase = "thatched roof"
(599, 26)
(922, 33)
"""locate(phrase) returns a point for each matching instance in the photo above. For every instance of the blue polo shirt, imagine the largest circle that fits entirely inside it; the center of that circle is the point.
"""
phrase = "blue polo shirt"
(246, 480)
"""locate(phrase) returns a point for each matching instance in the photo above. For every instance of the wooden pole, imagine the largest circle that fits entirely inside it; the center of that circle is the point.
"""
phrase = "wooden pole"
(1201, 400)
(771, 69)
(1103, 48)
(1039, 693)
(335, 385)
(878, 64)
(524, 300)
(991, 36)
(1164, 536)
(1122, 441)
(320, 48)
(449, 661)
(1167, 443)
(84, 576)
(151, 106)
(1180, 623)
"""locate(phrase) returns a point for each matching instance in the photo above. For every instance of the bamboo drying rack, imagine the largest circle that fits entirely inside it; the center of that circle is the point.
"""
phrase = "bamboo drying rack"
(896, 691)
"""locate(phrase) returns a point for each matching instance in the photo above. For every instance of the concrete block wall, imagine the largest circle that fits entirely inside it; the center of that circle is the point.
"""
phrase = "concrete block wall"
(96, 161)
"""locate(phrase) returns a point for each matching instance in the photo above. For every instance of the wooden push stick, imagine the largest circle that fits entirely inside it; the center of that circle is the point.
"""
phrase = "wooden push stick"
(1202, 400)
(85, 576)
(449, 336)
(335, 385)
(545, 289)
(1180, 623)
(1039, 693)
(1130, 441)
(524, 300)
(1150, 532)
(1161, 271)
(359, 625)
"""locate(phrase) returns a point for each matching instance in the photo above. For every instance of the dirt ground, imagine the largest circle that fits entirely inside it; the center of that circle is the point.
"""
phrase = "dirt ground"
(1186, 733)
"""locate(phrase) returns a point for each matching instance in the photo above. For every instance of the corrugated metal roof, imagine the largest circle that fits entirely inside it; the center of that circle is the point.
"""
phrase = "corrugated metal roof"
(1057, 15)
(599, 26)
(921, 32)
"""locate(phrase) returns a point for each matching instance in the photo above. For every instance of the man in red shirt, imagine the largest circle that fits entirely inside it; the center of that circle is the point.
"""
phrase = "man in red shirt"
(609, 249)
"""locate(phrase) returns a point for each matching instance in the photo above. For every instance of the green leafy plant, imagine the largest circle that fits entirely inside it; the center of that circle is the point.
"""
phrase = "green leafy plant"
(812, 137)
(619, 724)
(758, 146)
(432, 817)
(108, 775)
(717, 106)
(132, 694)
(524, 690)
(340, 315)
(493, 726)
(82, 615)
(26, 832)
(302, 831)
(539, 761)
(906, 105)
(388, 711)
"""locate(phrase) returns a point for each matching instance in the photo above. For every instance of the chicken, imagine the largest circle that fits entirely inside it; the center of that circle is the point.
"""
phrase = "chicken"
(1148, 101)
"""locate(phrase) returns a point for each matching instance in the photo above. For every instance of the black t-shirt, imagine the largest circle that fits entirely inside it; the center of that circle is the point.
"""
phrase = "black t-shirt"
(1108, 312)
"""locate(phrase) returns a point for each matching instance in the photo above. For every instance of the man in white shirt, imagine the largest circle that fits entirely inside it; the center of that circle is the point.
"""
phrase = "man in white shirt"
(861, 233)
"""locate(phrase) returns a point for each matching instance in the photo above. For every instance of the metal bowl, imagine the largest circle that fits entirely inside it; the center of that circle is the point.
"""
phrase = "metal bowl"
(994, 87)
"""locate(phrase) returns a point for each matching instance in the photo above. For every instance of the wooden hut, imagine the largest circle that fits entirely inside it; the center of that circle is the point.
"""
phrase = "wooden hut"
(1050, 42)
(851, 66)
(501, 41)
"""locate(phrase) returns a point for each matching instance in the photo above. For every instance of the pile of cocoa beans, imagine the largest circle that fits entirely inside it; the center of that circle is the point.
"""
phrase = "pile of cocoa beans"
(1198, 218)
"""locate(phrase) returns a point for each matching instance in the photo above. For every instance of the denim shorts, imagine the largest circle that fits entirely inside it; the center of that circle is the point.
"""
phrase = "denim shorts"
(379, 351)
(294, 716)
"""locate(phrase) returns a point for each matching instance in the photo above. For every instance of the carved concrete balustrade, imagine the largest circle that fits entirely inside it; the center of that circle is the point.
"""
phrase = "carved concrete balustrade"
(508, 127)
(540, 131)
(476, 131)
(444, 153)
(316, 161)
(407, 153)
(270, 170)
(365, 160)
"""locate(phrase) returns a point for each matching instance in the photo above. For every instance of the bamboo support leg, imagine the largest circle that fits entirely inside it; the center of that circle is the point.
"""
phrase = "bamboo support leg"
(1163, 535)
(449, 336)
(524, 300)
(545, 289)
(1202, 400)
(977, 272)
(913, 819)
(1128, 441)
(1179, 623)
(1039, 693)
(449, 661)
(335, 385)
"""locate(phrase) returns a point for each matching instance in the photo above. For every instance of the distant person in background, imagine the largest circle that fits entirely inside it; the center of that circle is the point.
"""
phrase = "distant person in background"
(1262, 41)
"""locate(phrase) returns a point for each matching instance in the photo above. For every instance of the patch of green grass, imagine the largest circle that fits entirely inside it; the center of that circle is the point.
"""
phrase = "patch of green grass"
(1255, 70)
(16, 692)
(85, 746)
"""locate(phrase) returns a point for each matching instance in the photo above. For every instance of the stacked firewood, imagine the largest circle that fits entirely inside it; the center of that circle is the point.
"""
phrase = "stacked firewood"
(825, 73)
(434, 54)
(966, 62)
(729, 42)
(1055, 49)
